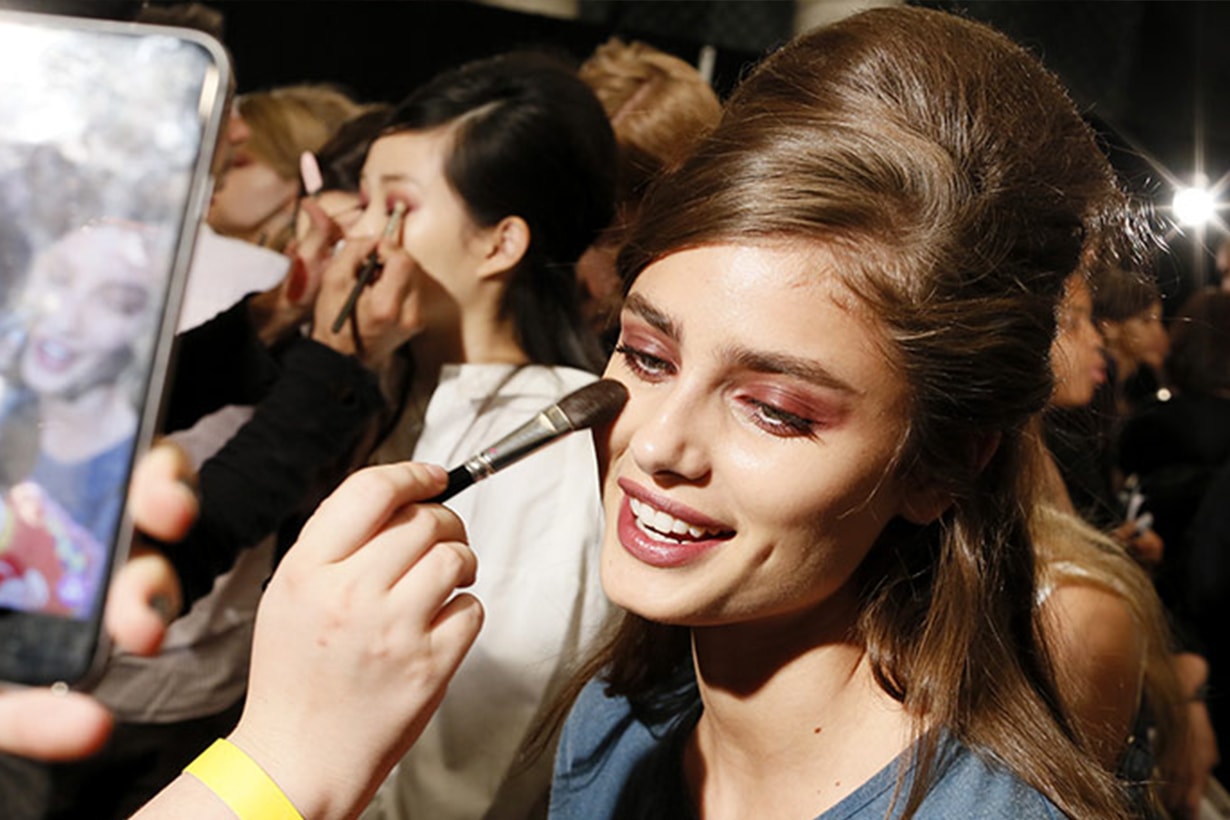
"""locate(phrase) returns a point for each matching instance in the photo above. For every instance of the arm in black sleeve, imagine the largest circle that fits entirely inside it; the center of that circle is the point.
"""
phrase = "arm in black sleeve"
(218, 363)
(307, 425)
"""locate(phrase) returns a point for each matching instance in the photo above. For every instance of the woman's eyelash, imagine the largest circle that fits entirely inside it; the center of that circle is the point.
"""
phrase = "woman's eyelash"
(642, 363)
(773, 420)
(780, 422)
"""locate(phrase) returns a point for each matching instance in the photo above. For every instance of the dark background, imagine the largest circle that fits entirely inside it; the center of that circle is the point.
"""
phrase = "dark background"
(1152, 75)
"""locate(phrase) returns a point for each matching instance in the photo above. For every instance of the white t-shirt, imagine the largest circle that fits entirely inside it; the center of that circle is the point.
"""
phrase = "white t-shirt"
(223, 271)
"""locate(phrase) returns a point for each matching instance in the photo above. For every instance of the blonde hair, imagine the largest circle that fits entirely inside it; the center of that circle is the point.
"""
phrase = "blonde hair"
(284, 122)
(1070, 550)
(658, 106)
(292, 119)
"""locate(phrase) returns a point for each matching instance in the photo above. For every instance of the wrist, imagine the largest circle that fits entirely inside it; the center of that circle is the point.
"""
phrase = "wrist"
(237, 780)
(309, 783)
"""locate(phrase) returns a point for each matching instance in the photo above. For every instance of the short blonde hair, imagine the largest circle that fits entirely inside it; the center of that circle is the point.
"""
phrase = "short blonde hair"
(658, 106)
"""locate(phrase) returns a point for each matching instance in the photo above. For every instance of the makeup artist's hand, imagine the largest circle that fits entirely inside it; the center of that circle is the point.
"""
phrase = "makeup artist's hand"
(357, 637)
(48, 725)
(388, 312)
(277, 312)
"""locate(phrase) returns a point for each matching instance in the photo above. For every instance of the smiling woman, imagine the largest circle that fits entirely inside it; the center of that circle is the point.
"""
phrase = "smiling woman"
(839, 320)
(88, 304)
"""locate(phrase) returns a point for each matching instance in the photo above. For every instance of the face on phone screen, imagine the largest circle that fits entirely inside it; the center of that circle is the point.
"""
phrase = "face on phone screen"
(104, 163)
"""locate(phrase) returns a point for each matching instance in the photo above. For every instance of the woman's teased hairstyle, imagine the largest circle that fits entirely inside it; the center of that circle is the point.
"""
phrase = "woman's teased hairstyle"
(955, 184)
(530, 140)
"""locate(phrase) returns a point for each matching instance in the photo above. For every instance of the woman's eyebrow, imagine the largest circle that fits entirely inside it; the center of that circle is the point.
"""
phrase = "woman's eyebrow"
(759, 361)
(809, 370)
(385, 178)
(638, 304)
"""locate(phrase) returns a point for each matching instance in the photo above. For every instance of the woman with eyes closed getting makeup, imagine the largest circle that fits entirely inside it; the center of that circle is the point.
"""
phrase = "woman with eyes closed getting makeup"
(505, 168)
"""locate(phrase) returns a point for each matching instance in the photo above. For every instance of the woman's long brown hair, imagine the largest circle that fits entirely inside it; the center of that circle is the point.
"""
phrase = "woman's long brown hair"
(955, 184)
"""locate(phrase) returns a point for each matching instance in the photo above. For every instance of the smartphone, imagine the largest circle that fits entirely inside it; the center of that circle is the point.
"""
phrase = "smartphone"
(105, 156)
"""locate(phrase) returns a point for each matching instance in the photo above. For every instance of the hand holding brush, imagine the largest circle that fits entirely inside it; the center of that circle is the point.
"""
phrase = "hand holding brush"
(371, 265)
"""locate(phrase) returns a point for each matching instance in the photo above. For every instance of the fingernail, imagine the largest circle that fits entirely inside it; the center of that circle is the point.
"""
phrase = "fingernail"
(296, 280)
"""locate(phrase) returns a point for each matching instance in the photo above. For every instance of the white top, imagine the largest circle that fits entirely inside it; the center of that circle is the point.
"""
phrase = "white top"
(536, 528)
(223, 271)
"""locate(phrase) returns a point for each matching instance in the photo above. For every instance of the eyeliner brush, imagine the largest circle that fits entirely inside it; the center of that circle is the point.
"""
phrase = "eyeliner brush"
(371, 266)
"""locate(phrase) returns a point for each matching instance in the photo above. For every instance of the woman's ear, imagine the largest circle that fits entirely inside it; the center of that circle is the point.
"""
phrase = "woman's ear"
(510, 239)
(925, 501)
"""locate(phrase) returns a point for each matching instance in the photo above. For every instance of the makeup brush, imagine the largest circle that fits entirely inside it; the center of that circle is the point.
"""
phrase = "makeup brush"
(371, 265)
(595, 403)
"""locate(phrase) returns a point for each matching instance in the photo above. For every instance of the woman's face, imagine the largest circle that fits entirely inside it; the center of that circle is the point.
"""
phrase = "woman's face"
(750, 472)
(92, 296)
(1139, 339)
(249, 198)
(1076, 353)
(437, 230)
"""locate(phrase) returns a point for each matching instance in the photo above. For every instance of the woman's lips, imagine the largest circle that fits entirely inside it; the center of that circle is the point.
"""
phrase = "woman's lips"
(52, 356)
(662, 533)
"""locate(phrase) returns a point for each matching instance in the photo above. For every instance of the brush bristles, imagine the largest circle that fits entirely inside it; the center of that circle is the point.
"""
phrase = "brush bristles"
(595, 403)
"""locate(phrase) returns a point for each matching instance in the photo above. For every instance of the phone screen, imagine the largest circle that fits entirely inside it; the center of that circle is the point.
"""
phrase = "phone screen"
(105, 153)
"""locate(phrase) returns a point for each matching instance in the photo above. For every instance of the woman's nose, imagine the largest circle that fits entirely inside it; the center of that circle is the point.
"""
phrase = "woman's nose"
(671, 439)
(62, 312)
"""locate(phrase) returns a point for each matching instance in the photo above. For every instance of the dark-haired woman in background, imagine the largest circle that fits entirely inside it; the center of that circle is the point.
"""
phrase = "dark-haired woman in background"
(505, 170)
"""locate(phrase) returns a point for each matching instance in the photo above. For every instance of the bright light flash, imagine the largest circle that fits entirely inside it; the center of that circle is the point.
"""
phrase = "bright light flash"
(1194, 206)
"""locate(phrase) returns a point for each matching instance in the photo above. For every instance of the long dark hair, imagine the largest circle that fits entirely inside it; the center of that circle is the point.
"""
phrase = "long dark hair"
(531, 141)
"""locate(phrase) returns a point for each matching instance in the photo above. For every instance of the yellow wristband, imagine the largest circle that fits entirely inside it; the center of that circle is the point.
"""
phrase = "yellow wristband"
(241, 783)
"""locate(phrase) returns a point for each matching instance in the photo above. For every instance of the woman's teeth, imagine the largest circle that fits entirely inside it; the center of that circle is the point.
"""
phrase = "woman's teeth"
(659, 523)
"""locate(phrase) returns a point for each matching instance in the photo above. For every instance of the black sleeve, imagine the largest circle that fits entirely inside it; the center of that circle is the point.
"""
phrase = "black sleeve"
(302, 431)
(218, 363)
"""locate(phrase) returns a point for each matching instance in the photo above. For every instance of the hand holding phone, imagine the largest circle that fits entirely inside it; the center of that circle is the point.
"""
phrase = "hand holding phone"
(55, 724)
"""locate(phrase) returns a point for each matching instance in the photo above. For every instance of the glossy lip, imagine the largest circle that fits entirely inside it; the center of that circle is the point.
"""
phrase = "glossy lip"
(659, 553)
(52, 356)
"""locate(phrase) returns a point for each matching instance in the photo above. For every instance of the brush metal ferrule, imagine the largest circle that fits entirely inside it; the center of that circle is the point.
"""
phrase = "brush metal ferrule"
(527, 438)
